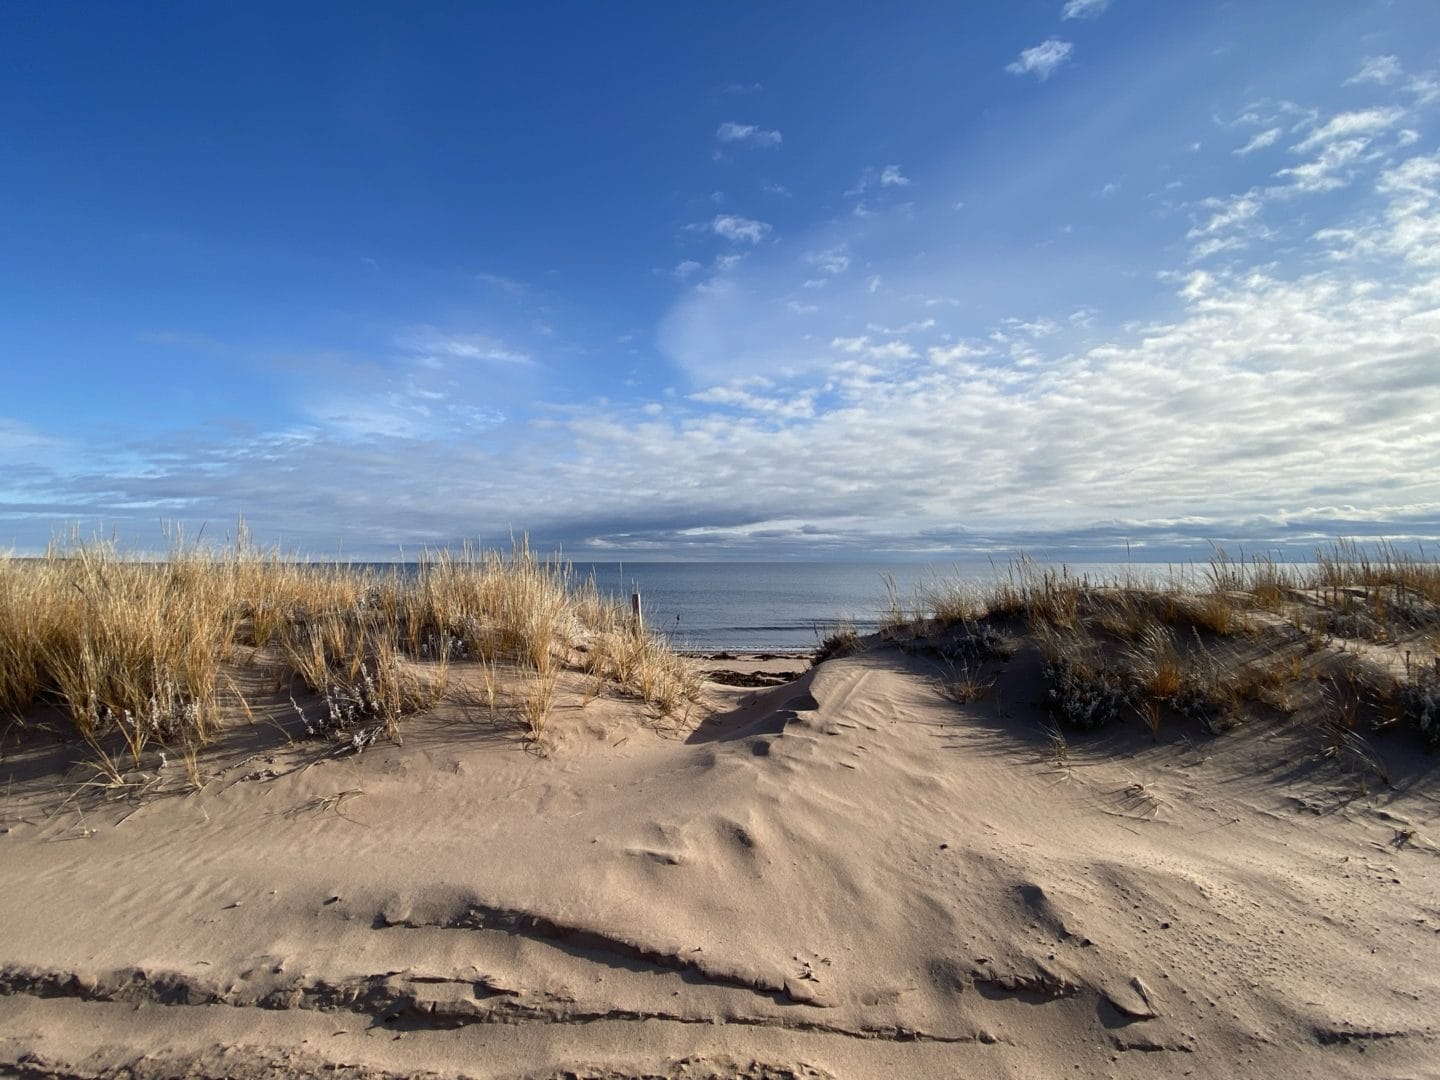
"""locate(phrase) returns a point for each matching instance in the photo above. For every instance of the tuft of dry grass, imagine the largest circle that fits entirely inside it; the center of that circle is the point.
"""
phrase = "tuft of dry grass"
(1156, 665)
(963, 683)
(537, 701)
(841, 640)
(623, 653)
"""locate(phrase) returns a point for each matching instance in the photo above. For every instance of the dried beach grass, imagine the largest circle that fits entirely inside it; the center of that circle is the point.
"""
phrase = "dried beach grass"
(134, 648)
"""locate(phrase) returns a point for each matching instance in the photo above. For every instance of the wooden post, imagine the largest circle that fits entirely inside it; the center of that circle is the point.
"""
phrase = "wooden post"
(636, 610)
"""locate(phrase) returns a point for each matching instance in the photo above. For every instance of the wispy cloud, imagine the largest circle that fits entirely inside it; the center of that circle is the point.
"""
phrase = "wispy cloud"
(428, 344)
(1265, 138)
(1330, 170)
(1381, 70)
(1348, 125)
(1041, 60)
(891, 176)
(759, 396)
(747, 135)
(956, 353)
(1084, 9)
(503, 283)
(15, 435)
(835, 260)
(1232, 223)
(873, 179)
(884, 350)
(738, 229)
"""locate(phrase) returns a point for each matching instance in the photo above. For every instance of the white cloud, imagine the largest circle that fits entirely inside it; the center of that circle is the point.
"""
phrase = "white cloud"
(1084, 9)
(1034, 328)
(957, 353)
(1232, 223)
(1377, 69)
(685, 268)
(890, 176)
(739, 229)
(1041, 60)
(1425, 89)
(1349, 124)
(908, 328)
(1265, 138)
(881, 351)
(747, 135)
(750, 396)
(1327, 172)
(835, 260)
(428, 343)
(871, 177)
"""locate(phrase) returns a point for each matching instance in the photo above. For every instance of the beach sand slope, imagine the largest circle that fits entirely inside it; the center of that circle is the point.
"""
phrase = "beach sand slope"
(846, 875)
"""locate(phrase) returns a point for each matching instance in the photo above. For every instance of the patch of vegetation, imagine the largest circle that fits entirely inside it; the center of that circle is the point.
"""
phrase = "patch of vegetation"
(843, 640)
(136, 650)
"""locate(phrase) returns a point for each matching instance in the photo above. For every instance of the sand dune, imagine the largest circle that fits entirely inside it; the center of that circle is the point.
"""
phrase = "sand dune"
(846, 875)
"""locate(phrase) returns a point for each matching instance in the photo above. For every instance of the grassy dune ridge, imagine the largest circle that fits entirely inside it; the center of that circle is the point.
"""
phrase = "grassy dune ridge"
(143, 648)
(1350, 643)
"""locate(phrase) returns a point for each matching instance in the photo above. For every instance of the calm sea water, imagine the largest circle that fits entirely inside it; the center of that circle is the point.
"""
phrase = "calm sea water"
(787, 606)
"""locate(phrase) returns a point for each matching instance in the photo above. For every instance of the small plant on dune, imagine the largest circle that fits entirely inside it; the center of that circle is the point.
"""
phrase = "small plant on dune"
(1156, 665)
(666, 680)
(642, 664)
(1048, 598)
(1150, 711)
(843, 640)
(1082, 695)
(952, 602)
(894, 618)
(355, 668)
(1217, 612)
(1418, 702)
(1080, 689)
(1127, 615)
(964, 684)
(536, 704)
(1059, 747)
(970, 641)
(1344, 745)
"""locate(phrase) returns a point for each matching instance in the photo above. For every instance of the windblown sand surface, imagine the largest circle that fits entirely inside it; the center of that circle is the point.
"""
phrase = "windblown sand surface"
(847, 875)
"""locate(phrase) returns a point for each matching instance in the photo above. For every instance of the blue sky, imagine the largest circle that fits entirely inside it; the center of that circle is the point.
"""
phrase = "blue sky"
(828, 280)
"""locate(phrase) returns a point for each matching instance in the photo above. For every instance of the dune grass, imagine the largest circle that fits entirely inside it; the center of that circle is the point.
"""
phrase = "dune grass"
(142, 648)
(1213, 646)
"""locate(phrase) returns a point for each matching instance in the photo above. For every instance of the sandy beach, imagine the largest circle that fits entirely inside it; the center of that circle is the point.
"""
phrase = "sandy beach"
(847, 873)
